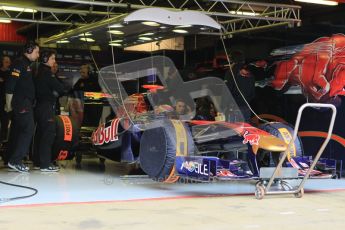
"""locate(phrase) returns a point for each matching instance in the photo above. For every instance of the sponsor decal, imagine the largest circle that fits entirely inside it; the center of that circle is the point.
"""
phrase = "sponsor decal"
(225, 173)
(97, 95)
(196, 167)
(106, 134)
(68, 130)
(15, 73)
(252, 138)
(62, 155)
(287, 138)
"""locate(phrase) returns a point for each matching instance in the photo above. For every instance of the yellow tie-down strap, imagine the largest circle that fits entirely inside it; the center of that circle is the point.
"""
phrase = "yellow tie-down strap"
(181, 147)
(287, 138)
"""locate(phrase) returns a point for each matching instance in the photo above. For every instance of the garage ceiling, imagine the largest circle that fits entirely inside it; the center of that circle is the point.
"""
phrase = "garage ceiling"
(52, 17)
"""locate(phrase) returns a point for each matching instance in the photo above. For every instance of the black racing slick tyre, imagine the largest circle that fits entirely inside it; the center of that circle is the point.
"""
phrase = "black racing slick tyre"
(67, 135)
(158, 149)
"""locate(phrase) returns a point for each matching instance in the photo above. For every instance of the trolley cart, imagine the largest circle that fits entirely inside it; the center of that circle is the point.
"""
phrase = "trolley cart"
(263, 189)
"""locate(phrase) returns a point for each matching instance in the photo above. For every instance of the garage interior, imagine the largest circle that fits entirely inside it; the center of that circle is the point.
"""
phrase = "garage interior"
(103, 189)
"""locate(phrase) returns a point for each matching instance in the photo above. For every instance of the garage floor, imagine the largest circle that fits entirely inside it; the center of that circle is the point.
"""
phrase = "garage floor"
(91, 199)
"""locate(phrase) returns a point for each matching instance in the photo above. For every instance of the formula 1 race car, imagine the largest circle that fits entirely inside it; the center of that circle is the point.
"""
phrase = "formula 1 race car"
(167, 145)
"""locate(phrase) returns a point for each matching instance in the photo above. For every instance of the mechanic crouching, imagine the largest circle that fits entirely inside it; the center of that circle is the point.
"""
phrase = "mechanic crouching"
(48, 88)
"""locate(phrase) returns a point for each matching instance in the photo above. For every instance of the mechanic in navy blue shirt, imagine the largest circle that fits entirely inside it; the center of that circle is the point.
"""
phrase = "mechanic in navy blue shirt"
(48, 89)
(20, 98)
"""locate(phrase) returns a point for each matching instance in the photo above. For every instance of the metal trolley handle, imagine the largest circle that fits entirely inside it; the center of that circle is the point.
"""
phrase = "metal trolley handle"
(318, 155)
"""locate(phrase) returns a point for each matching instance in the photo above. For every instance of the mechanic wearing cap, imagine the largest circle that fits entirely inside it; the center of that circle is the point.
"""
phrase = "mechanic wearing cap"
(48, 89)
(20, 98)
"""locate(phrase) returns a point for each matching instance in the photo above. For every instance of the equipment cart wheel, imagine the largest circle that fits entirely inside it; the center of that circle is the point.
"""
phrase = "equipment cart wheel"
(300, 193)
(259, 192)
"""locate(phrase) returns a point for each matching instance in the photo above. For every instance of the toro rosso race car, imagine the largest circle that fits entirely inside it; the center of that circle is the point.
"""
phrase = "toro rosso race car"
(168, 145)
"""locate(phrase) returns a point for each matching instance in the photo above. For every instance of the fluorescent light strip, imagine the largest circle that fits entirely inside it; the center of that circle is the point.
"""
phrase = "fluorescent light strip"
(5, 21)
(147, 34)
(116, 26)
(62, 41)
(246, 13)
(145, 38)
(148, 23)
(18, 9)
(87, 39)
(180, 31)
(184, 26)
(115, 44)
(85, 34)
(116, 32)
(322, 2)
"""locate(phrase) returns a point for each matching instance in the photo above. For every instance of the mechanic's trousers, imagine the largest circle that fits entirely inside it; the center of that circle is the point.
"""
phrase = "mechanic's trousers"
(21, 133)
(45, 134)
(4, 120)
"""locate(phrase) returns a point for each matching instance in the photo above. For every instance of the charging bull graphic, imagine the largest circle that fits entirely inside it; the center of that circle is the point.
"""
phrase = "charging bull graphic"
(319, 67)
(252, 138)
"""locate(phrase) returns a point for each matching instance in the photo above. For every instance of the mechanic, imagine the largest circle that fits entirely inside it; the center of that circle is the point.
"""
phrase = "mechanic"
(48, 89)
(87, 82)
(205, 109)
(5, 63)
(55, 70)
(20, 98)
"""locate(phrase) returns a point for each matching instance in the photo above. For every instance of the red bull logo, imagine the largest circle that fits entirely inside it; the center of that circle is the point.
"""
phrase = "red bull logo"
(253, 139)
(106, 134)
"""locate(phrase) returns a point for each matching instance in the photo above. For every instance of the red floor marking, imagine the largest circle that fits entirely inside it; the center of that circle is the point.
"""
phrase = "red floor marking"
(151, 199)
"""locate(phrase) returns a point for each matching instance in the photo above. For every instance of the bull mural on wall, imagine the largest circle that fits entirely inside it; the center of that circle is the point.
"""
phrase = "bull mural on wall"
(319, 67)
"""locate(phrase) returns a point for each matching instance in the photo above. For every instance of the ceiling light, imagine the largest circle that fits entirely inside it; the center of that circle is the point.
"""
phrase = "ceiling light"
(115, 44)
(85, 34)
(62, 41)
(116, 26)
(18, 9)
(322, 2)
(148, 23)
(116, 32)
(180, 31)
(118, 40)
(163, 27)
(246, 13)
(147, 34)
(145, 38)
(5, 21)
(87, 39)
(184, 26)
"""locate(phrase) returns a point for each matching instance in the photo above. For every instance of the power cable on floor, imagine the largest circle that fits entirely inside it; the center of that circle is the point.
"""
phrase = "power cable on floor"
(4, 200)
